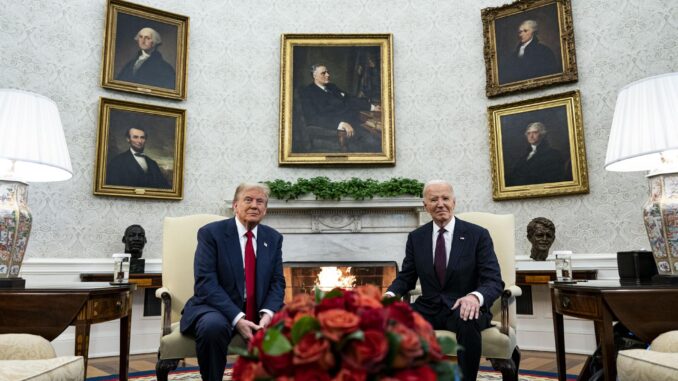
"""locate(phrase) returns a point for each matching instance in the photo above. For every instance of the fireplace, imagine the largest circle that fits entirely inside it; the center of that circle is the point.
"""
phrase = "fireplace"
(303, 277)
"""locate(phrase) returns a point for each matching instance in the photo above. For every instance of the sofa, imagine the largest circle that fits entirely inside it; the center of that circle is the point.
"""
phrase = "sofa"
(26, 357)
(657, 363)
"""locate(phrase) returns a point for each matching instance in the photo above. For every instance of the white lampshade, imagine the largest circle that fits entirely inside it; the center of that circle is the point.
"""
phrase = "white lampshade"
(32, 143)
(645, 124)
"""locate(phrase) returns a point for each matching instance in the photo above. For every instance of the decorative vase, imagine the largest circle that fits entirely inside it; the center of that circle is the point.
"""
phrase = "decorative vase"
(15, 228)
(660, 214)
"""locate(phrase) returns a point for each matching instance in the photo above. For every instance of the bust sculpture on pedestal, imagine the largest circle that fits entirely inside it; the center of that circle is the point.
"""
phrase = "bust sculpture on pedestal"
(541, 233)
(135, 240)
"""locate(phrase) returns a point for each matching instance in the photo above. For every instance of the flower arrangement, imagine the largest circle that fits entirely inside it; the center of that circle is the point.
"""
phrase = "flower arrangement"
(346, 335)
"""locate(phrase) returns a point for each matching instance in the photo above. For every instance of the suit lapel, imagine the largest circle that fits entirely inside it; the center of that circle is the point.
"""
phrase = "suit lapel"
(263, 254)
(234, 255)
(426, 243)
(459, 242)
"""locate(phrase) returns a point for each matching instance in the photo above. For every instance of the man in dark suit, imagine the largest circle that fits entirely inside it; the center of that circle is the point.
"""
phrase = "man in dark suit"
(133, 168)
(325, 105)
(540, 163)
(460, 278)
(148, 67)
(530, 58)
(239, 281)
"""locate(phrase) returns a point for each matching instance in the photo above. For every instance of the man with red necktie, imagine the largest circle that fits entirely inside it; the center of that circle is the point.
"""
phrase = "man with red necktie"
(239, 281)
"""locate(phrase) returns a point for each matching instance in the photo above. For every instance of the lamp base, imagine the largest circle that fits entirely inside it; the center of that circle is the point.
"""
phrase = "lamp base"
(12, 283)
(665, 279)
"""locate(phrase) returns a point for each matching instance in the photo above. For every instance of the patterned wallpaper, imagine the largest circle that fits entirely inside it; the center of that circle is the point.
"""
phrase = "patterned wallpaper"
(55, 48)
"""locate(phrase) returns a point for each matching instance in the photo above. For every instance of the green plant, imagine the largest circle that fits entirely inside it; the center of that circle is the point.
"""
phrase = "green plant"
(325, 189)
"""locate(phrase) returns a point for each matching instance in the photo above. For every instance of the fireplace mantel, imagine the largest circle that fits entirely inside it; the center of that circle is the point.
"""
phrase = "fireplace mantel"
(377, 215)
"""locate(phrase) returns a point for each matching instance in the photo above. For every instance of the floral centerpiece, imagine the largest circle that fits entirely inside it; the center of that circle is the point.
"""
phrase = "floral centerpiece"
(346, 335)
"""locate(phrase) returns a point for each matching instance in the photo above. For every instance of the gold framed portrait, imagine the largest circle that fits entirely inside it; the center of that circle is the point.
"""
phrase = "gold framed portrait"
(145, 50)
(528, 44)
(140, 150)
(537, 148)
(336, 99)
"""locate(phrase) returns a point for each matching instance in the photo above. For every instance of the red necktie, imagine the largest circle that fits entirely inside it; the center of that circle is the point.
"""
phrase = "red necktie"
(440, 261)
(250, 276)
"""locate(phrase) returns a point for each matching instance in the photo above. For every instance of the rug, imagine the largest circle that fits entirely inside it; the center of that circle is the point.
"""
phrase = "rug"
(191, 374)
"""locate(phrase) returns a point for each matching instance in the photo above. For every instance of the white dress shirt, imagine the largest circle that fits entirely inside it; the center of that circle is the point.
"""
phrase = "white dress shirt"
(140, 159)
(521, 52)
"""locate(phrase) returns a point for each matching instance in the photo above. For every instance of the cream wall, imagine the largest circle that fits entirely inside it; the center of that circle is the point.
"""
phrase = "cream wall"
(54, 48)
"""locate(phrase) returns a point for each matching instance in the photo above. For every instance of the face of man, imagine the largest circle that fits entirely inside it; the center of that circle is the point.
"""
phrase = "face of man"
(525, 33)
(135, 239)
(533, 135)
(439, 202)
(321, 76)
(137, 139)
(145, 40)
(542, 238)
(250, 208)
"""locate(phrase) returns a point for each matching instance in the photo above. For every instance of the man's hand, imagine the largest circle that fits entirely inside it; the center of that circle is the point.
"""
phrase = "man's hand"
(470, 307)
(346, 127)
(246, 328)
(265, 320)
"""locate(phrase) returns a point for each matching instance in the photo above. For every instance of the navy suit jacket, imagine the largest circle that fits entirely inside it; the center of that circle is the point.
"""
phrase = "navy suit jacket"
(472, 266)
(220, 275)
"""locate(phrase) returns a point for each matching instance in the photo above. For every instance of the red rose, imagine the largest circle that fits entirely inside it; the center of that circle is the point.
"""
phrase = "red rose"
(309, 373)
(401, 312)
(350, 375)
(312, 350)
(365, 301)
(336, 323)
(277, 365)
(245, 370)
(256, 341)
(301, 303)
(423, 373)
(371, 291)
(336, 302)
(409, 348)
(368, 353)
(373, 318)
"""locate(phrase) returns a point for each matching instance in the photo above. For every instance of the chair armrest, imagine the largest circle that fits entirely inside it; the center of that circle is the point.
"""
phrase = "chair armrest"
(508, 297)
(163, 293)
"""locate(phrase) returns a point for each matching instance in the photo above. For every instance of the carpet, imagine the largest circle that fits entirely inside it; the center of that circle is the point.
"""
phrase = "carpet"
(191, 374)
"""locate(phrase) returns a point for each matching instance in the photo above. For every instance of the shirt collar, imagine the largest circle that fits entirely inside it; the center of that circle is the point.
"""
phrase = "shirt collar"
(449, 227)
(527, 43)
(242, 229)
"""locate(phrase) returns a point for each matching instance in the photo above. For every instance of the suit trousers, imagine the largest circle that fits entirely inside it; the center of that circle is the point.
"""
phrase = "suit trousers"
(213, 334)
(468, 336)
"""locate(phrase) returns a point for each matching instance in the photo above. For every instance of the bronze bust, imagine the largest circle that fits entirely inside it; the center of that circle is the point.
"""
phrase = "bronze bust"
(135, 240)
(541, 233)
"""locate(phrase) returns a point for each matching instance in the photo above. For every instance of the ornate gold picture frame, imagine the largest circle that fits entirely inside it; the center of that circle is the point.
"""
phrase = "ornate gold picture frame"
(528, 44)
(537, 148)
(336, 99)
(145, 50)
(140, 150)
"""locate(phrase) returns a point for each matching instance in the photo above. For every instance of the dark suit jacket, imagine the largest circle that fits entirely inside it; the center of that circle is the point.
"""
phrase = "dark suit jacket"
(538, 60)
(328, 108)
(472, 266)
(155, 71)
(220, 275)
(124, 170)
(547, 165)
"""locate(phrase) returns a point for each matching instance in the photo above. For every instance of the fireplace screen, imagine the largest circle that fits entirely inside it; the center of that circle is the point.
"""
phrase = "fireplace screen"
(303, 277)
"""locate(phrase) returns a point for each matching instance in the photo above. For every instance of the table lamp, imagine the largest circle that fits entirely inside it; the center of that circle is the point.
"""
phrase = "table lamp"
(32, 149)
(644, 137)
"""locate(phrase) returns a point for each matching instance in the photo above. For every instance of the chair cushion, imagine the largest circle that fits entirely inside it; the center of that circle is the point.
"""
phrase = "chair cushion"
(666, 342)
(177, 346)
(495, 344)
(70, 368)
(647, 365)
(21, 346)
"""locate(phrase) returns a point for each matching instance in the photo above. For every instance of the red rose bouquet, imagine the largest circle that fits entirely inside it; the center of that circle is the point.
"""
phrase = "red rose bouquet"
(346, 335)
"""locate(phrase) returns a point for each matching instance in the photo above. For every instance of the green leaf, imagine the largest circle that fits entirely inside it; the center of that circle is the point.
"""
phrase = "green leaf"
(357, 335)
(447, 370)
(447, 345)
(325, 189)
(318, 294)
(393, 346)
(275, 343)
(303, 326)
(335, 293)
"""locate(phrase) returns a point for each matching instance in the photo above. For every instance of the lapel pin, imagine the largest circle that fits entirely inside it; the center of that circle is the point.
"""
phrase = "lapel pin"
(462, 238)
(265, 244)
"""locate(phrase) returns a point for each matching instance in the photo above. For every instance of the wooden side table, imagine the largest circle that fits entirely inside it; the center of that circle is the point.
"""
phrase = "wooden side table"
(47, 310)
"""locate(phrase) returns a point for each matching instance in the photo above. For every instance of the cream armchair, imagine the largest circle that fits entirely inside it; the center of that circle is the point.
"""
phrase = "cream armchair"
(31, 357)
(179, 241)
(499, 342)
(658, 363)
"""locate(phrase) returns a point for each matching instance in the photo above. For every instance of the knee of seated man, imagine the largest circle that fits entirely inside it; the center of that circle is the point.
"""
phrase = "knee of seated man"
(213, 326)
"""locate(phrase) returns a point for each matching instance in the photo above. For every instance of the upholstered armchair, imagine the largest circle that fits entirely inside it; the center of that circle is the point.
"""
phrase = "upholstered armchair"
(657, 363)
(499, 341)
(31, 357)
(178, 250)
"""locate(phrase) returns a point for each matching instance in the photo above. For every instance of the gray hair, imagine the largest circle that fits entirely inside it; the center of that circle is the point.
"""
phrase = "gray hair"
(157, 40)
(247, 186)
(436, 182)
(531, 24)
(315, 66)
(539, 126)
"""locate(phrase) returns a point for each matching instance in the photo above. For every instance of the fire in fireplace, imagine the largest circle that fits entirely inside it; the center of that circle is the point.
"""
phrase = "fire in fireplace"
(303, 277)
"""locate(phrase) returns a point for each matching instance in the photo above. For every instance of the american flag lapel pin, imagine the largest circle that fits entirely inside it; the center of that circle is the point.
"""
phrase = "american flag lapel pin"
(462, 238)
(265, 244)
